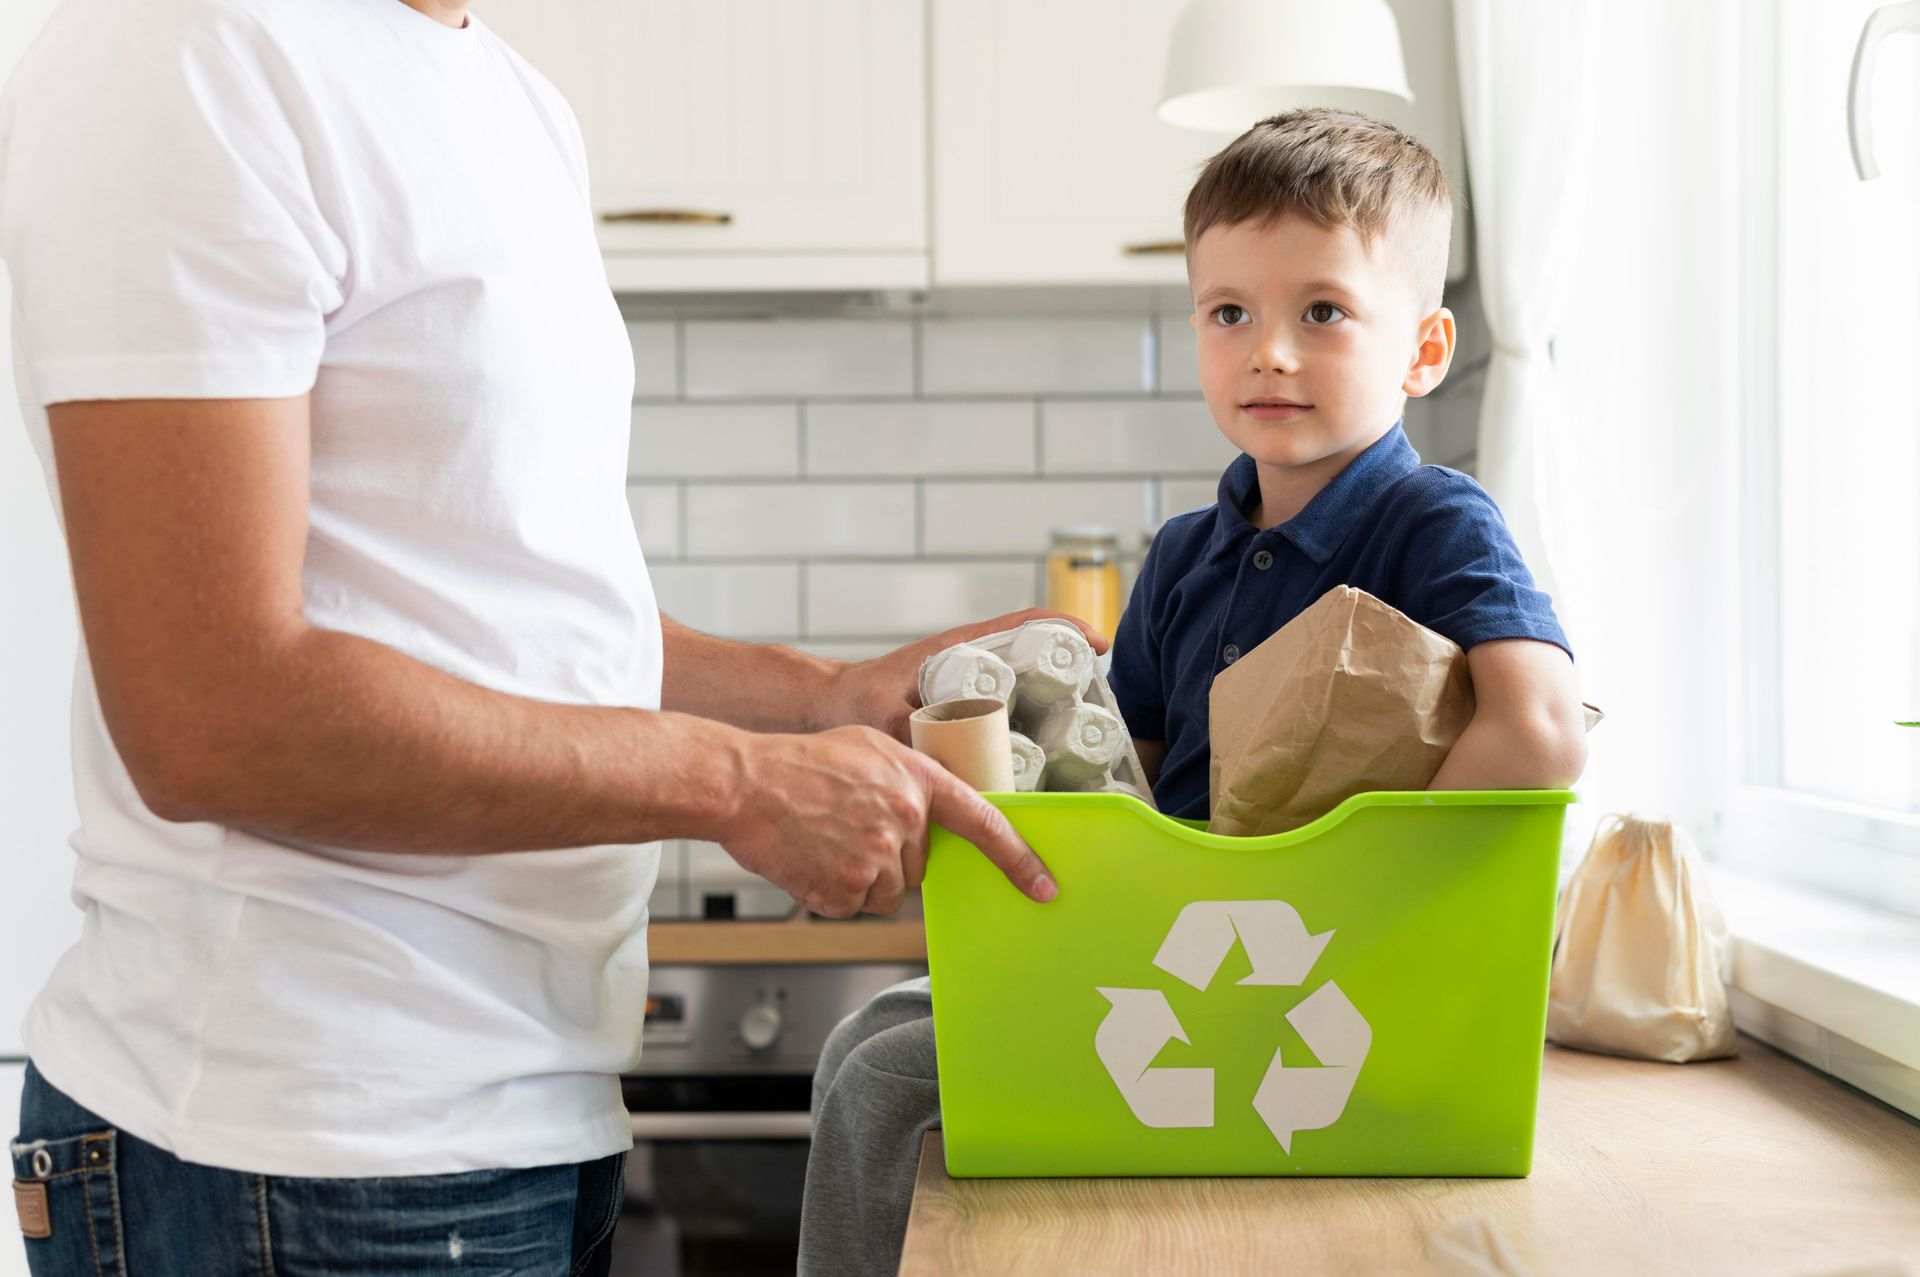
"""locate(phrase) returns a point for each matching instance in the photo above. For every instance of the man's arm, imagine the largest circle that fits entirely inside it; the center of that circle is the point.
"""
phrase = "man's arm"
(767, 688)
(761, 687)
(1528, 729)
(186, 524)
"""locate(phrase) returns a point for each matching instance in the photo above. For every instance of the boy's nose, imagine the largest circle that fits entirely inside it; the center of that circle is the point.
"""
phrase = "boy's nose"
(1273, 354)
(1273, 360)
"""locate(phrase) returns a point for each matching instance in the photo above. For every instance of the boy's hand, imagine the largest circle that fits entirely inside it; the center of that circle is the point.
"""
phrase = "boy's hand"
(883, 692)
(1528, 729)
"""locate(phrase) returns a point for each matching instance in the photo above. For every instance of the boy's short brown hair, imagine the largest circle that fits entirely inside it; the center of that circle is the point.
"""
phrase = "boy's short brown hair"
(1336, 169)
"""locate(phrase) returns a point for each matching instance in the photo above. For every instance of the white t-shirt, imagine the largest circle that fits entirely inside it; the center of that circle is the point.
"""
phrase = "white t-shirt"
(258, 198)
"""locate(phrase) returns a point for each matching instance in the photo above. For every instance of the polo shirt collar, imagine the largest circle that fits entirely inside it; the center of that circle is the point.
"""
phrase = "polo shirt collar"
(1318, 530)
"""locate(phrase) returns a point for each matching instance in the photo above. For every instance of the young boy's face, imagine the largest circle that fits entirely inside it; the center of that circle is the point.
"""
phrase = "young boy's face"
(1308, 342)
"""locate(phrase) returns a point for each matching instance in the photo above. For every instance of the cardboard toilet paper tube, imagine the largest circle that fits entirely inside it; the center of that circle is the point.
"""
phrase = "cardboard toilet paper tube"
(969, 738)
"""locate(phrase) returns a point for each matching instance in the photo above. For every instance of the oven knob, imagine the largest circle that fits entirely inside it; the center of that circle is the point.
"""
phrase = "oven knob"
(760, 1026)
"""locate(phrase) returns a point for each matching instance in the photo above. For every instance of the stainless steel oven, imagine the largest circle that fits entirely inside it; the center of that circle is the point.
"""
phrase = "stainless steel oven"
(719, 1105)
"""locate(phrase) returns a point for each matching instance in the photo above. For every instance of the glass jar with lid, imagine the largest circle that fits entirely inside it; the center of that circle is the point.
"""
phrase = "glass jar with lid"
(1083, 575)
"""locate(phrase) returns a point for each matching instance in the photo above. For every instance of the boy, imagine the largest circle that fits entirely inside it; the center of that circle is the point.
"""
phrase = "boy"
(1316, 251)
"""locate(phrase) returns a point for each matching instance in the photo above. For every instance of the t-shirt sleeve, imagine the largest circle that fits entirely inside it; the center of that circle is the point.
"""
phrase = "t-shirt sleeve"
(1465, 577)
(158, 215)
(1135, 673)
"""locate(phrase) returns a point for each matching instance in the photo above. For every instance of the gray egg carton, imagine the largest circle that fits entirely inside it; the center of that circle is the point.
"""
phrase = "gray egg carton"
(1068, 735)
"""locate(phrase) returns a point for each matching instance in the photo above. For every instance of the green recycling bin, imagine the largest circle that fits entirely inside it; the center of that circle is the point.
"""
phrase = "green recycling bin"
(1363, 996)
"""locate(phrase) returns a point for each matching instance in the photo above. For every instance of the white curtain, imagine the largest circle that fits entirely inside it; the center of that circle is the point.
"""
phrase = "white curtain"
(1601, 152)
(1526, 102)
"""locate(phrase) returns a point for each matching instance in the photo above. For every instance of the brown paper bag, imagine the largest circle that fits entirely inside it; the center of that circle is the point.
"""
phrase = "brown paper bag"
(1638, 950)
(1351, 695)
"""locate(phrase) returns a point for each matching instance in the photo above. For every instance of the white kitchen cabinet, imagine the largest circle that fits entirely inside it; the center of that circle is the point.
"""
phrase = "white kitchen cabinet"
(743, 143)
(1050, 165)
(1049, 162)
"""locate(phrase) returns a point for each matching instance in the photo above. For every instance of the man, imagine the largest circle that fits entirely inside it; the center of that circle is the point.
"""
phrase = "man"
(314, 342)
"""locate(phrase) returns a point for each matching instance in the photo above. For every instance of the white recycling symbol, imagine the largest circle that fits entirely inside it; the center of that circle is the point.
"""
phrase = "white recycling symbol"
(1289, 1099)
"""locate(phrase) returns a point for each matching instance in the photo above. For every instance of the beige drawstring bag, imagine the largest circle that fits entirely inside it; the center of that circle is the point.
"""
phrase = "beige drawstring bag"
(1638, 950)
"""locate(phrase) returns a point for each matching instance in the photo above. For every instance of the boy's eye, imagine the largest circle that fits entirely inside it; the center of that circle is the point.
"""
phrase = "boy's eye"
(1230, 315)
(1324, 313)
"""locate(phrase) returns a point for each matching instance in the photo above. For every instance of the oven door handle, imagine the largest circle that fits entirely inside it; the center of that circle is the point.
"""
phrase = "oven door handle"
(722, 1126)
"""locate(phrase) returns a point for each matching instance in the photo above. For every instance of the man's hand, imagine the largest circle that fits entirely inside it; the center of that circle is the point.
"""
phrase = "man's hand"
(839, 821)
(883, 693)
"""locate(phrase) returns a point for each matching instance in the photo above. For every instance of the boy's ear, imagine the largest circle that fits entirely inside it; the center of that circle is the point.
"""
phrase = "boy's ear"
(1432, 356)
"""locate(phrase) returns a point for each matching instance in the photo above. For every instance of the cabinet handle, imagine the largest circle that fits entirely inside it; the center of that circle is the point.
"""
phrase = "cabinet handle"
(672, 216)
(1155, 248)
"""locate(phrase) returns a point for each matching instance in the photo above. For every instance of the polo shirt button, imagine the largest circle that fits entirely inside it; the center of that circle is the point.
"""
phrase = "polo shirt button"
(1263, 559)
(1231, 654)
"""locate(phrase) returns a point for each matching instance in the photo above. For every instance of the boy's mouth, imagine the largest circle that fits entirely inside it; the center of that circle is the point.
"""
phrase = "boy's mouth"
(1273, 409)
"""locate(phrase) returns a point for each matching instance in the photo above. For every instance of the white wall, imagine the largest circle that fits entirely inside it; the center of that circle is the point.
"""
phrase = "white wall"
(37, 643)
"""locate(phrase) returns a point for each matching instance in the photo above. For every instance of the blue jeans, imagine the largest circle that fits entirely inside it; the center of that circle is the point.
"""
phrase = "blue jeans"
(119, 1205)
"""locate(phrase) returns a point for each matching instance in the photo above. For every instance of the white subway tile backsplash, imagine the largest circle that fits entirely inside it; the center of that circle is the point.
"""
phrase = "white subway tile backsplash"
(656, 517)
(735, 600)
(678, 440)
(754, 358)
(788, 520)
(920, 438)
(711, 872)
(1069, 354)
(1178, 496)
(1179, 367)
(912, 600)
(708, 865)
(847, 651)
(1142, 436)
(1016, 518)
(656, 358)
(849, 484)
(669, 899)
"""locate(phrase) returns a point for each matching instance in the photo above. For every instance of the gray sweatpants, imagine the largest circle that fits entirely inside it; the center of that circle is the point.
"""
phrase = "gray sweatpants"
(875, 1096)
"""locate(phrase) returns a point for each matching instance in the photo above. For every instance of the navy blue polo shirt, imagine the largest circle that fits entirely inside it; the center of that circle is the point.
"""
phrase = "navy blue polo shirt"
(1426, 539)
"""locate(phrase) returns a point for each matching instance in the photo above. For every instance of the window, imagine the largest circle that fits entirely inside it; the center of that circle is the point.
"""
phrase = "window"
(1831, 492)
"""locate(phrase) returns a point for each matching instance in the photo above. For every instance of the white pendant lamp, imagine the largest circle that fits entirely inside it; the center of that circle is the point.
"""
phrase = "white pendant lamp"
(1233, 62)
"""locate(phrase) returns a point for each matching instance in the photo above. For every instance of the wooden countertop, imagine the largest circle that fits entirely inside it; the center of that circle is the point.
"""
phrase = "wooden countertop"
(800, 939)
(1750, 1166)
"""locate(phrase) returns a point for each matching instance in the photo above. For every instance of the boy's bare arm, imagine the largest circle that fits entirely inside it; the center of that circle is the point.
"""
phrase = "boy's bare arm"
(1153, 755)
(1528, 729)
